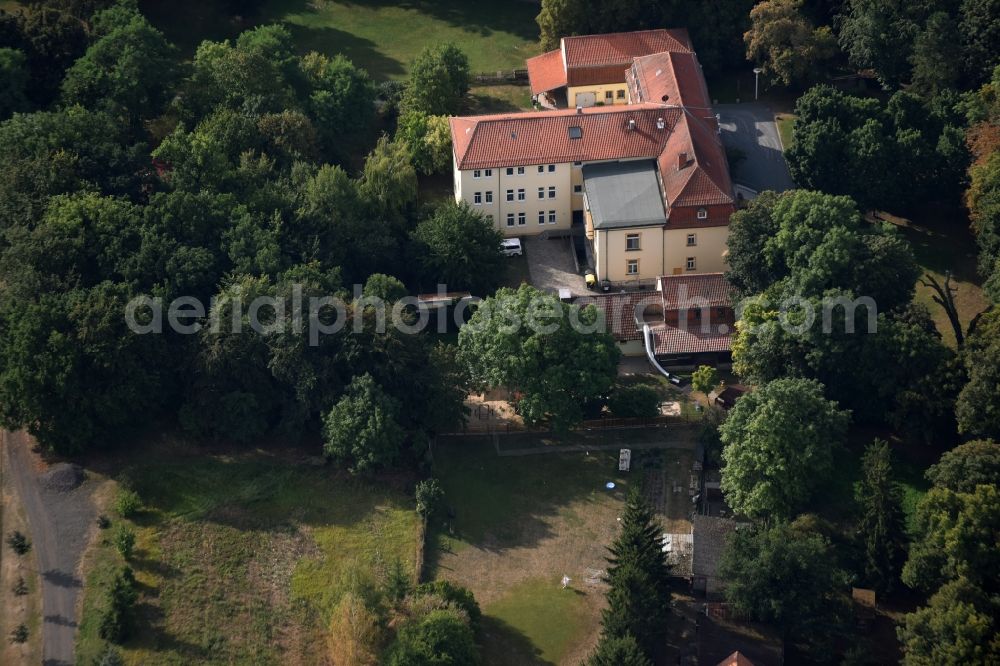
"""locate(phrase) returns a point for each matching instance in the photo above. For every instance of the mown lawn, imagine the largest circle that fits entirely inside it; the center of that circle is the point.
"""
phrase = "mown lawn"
(380, 35)
(241, 560)
(943, 244)
(786, 125)
(519, 524)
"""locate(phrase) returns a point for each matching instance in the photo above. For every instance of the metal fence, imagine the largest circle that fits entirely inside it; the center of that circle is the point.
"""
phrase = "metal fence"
(515, 76)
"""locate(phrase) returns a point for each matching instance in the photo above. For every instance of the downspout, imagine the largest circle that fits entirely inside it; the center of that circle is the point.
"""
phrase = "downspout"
(647, 336)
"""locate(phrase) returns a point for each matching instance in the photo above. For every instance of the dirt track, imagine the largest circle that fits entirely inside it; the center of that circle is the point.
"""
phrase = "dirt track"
(60, 524)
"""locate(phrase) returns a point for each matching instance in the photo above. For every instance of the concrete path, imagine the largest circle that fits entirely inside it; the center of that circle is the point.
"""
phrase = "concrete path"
(60, 523)
(751, 129)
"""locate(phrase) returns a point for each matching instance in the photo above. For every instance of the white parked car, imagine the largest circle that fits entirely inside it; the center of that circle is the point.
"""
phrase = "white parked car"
(511, 247)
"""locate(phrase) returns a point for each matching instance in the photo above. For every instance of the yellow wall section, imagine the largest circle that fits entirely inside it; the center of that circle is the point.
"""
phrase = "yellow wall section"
(599, 93)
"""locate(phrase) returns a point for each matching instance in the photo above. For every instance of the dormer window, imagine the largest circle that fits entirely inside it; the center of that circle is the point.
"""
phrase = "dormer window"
(702, 213)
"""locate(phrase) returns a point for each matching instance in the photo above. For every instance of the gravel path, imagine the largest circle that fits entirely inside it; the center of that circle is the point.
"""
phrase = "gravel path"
(60, 518)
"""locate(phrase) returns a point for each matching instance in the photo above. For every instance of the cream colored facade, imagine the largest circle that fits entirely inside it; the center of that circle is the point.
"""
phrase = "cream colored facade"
(641, 254)
(607, 94)
(521, 201)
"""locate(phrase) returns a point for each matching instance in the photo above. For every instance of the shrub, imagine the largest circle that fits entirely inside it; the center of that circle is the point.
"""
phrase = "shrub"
(103, 522)
(18, 542)
(634, 402)
(20, 588)
(355, 632)
(109, 657)
(116, 621)
(124, 540)
(128, 503)
(20, 634)
(442, 637)
(397, 584)
(704, 379)
(456, 595)
(430, 498)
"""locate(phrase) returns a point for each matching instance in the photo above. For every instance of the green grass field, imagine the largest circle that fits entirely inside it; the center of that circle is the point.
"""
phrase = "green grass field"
(242, 560)
(380, 35)
(520, 523)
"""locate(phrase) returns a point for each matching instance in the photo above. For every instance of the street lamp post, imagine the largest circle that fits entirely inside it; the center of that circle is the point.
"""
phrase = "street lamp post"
(756, 81)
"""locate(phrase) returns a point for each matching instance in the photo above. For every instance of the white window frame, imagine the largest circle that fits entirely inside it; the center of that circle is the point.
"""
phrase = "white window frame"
(510, 195)
(477, 199)
(541, 217)
(489, 196)
(520, 171)
(541, 193)
(510, 219)
(541, 168)
(691, 264)
(510, 171)
(702, 213)
(522, 219)
(487, 173)
(552, 168)
(629, 265)
(552, 217)
(521, 195)
(577, 189)
(552, 192)
(628, 242)
(692, 240)
(477, 174)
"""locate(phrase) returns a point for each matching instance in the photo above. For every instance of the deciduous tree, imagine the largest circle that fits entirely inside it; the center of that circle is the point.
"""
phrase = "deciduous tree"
(779, 442)
(361, 431)
(551, 355)
(458, 247)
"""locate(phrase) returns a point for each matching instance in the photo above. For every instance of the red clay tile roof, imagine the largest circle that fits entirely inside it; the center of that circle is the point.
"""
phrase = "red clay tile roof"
(619, 48)
(705, 181)
(670, 341)
(621, 309)
(546, 72)
(735, 659)
(669, 78)
(596, 75)
(542, 137)
(695, 291)
(690, 129)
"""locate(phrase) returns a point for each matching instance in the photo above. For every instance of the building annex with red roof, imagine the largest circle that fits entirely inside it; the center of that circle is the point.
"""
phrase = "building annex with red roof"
(646, 181)
(690, 319)
(589, 69)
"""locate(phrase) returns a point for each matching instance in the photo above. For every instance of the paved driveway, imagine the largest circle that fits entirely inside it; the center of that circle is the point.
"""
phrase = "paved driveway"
(61, 523)
(551, 265)
(751, 129)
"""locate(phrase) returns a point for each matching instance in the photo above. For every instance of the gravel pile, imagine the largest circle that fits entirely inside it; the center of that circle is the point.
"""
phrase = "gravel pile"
(63, 477)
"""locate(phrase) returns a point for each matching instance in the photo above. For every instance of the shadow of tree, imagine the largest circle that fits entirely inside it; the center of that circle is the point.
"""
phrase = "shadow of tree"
(507, 645)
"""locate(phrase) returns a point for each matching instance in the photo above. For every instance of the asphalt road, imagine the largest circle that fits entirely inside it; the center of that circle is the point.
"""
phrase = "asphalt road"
(60, 524)
(751, 129)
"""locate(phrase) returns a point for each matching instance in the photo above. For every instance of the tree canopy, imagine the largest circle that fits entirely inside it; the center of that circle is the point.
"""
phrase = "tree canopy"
(779, 443)
(551, 355)
(788, 577)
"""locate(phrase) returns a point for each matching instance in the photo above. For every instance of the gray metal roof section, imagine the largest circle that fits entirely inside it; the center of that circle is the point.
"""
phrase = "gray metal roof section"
(624, 194)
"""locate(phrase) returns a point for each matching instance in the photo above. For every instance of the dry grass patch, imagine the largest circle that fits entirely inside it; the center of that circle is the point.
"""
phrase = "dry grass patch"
(242, 560)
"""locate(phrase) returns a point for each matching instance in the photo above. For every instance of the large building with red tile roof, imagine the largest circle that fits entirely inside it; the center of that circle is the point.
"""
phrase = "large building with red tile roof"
(589, 69)
(646, 181)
